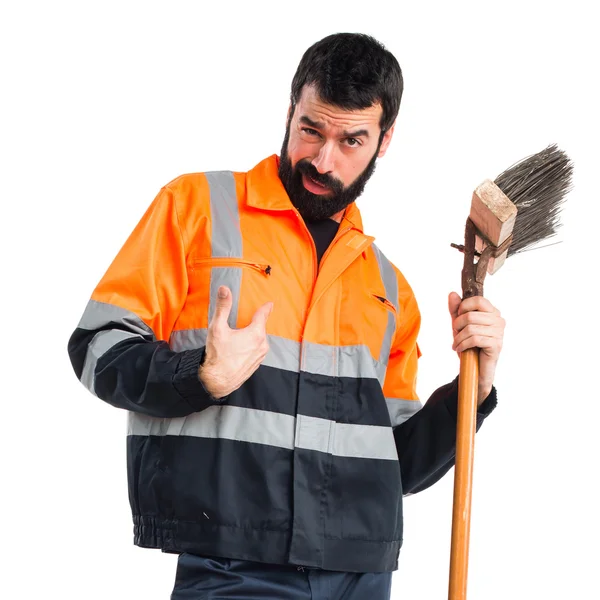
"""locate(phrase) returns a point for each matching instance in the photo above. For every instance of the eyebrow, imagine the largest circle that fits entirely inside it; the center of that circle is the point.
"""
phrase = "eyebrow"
(318, 125)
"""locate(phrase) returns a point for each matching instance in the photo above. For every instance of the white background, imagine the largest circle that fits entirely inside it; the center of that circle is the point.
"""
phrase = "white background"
(105, 102)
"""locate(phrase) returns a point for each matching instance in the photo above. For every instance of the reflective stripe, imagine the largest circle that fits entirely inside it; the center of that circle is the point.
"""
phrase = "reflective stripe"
(338, 361)
(283, 354)
(101, 343)
(226, 239)
(226, 422)
(402, 410)
(188, 339)
(334, 361)
(343, 439)
(232, 278)
(388, 275)
(100, 314)
(225, 217)
(274, 429)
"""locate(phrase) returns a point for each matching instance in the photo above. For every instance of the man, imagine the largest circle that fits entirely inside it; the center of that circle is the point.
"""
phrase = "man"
(267, 352)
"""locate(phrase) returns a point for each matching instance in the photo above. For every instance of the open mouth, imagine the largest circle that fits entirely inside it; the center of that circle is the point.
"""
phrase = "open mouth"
(312, 186)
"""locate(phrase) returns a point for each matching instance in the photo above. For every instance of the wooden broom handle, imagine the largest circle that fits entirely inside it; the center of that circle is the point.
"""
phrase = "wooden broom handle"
(463, 473)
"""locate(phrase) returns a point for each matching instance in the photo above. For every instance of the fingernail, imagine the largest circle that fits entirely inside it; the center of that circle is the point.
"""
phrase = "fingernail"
(222, 292)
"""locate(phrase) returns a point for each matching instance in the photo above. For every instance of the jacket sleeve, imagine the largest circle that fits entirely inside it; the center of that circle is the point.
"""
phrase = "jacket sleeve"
(120, 349)
(425, 435)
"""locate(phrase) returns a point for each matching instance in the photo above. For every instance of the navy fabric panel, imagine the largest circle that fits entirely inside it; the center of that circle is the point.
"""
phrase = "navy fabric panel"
(268, 389)
(311, 481)
(343, 399)
(176, 536)
(364, 500)
(426, 441)
(360, 556)
(211, 482)
(367, 536)
(80, 340)
(139, 376)
(361, 401)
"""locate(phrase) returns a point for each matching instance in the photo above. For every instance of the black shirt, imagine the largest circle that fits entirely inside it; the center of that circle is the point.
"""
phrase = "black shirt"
(322, 233)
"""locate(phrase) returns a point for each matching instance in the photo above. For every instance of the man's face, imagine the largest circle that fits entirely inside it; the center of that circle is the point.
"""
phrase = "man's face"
(329, 154)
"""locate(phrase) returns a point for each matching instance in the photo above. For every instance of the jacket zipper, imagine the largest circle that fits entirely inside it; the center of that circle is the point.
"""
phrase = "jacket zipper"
(385, 302)
(232, 262)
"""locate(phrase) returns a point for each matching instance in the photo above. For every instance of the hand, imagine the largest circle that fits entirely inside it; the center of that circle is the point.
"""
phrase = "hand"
(476, 323)
(232, 355)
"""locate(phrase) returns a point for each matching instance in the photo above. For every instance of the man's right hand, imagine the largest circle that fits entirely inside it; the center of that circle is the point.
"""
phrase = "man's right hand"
(232, 355)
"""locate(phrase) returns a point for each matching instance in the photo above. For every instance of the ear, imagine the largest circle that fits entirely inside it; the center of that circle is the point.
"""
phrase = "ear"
(387, 138)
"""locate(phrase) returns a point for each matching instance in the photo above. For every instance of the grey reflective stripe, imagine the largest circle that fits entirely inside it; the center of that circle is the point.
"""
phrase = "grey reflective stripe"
(381, 370)
(338, 361)
(232, 278)
(100, 314)
(225, 422)
(401, 410)
(224, 215)
(274, 429)
(343, 439)
(188, 339)
(226, 239)
(335, 361)
(390, 283)
(101, 343)
(283, 354)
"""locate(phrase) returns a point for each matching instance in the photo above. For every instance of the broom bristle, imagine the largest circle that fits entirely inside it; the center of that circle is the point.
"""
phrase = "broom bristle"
(537, 185)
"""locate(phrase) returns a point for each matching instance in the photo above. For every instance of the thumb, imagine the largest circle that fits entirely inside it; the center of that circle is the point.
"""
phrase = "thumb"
(262, 314)
(224, 302)
(454, 301)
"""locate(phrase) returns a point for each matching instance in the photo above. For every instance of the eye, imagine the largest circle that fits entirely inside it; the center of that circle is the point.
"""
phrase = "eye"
(353, 142)
(309, 131)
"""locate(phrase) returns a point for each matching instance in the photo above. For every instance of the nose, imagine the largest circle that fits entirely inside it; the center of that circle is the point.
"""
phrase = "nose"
(324, 160)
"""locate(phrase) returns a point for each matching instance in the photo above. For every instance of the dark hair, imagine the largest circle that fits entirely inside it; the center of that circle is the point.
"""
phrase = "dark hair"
(351, 71)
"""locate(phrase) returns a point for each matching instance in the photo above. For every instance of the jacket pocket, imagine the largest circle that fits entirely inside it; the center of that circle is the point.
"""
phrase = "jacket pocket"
(225, 262)
(384, 302)
(250, 284)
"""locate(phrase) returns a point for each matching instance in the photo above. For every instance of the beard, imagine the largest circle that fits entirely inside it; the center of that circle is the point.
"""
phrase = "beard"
(315, 207)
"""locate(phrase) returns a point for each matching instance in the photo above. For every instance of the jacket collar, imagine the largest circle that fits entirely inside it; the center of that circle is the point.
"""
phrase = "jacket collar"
(265, 191)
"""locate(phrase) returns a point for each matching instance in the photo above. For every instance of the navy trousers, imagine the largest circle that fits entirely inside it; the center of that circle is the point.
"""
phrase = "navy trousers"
(202, 578)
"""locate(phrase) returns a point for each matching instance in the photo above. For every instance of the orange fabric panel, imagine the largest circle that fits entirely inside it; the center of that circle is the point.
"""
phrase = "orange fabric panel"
(401, 375)
(271, 238)
(193, 208)
(148, 276)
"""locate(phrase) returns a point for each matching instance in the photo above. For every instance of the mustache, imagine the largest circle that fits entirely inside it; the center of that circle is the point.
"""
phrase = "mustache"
(306, 168)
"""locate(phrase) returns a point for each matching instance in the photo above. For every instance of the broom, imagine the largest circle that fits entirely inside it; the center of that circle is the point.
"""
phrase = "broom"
(514, 213)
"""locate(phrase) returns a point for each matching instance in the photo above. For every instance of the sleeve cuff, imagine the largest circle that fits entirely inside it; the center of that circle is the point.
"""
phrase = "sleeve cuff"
(483, 410)
(489, 404)
(187, 382)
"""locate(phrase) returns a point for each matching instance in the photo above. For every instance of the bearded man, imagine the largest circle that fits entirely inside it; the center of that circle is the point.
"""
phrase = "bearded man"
(266, 350)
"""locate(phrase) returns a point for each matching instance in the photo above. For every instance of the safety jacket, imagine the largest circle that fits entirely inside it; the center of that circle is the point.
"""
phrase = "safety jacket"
(307, 462)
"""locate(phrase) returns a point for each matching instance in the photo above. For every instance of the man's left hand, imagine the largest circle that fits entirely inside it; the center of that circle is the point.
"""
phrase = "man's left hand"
(476, 323)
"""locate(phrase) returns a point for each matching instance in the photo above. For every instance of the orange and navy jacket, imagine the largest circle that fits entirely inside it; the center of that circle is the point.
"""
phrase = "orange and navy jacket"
(307, 462)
